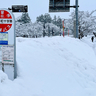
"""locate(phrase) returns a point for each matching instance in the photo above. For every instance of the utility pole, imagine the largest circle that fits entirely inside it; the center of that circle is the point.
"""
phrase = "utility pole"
(76, 13)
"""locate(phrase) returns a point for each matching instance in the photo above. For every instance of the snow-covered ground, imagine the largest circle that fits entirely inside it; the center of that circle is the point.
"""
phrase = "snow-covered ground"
(53, 66)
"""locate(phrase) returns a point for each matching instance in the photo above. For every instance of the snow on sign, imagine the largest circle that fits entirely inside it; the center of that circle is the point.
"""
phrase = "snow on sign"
(8, 54)
(5, 20)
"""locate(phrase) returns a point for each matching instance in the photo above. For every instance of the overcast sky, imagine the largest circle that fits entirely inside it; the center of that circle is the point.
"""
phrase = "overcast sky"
(38, 7)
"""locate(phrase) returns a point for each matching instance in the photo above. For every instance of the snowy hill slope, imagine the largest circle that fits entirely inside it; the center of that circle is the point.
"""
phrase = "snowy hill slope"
(53, 66)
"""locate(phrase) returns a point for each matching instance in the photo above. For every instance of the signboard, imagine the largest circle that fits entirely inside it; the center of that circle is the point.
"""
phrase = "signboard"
(3, 38)
(59, 5)
(7, 24)
(19, 8)
(8, 54)
(5, 20)
(8, 43)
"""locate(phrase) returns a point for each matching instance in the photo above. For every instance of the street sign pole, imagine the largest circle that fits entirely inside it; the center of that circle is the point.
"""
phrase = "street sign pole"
(15, 63)
(8, 43)
(53, 3)
(64, 3)
(76, 12)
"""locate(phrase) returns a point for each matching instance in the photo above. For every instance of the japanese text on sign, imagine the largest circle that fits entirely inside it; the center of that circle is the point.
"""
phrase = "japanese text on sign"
(8, 54)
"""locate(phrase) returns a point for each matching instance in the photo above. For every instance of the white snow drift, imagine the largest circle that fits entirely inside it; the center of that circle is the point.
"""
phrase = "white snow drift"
(53, 66)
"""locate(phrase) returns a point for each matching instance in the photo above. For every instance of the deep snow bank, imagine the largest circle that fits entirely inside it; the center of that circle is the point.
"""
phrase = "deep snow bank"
(53, 66)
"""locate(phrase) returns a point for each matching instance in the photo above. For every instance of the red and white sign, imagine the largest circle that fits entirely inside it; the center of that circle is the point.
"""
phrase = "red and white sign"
(5, 21)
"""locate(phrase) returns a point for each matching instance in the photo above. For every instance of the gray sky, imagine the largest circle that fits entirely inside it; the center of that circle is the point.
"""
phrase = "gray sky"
(38, 7)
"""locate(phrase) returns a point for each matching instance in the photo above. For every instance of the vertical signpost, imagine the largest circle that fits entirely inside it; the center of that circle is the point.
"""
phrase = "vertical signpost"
(8, 40)
(7, 43)
(76, 12)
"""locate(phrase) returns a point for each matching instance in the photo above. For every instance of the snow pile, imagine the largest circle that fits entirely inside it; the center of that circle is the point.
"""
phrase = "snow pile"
(53, 66)
(3, 77)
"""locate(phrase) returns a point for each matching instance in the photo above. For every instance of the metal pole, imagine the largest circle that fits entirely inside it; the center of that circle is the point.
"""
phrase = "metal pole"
(76, 13)
(15, 63)
(64, 3)
(53, 3)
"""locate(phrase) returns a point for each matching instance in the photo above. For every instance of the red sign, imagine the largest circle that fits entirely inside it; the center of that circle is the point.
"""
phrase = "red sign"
(5, 20)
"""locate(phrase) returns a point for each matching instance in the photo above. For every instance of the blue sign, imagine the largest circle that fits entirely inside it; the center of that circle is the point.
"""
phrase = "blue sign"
(3, 38)
(3, 42)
